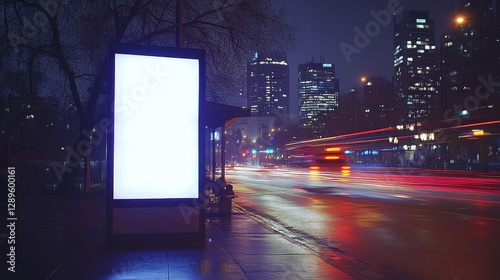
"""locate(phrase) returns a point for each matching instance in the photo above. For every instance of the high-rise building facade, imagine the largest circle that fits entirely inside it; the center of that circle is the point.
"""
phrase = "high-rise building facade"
(471, 56)
(377, 106)
(268, 84)
(318, 98)
(416, 74)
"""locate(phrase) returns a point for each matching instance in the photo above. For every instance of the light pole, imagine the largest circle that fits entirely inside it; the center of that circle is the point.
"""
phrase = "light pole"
(443, 88)
(443, 83)
(363, 80)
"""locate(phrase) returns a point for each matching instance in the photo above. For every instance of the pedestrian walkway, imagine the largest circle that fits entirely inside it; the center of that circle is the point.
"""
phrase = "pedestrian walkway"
(63, 237)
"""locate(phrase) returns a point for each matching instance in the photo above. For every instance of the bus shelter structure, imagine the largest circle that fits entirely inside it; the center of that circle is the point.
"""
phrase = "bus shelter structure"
(219, 116)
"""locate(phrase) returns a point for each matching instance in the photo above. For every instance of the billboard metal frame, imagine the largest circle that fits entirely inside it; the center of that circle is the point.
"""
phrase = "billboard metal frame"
(175, 210)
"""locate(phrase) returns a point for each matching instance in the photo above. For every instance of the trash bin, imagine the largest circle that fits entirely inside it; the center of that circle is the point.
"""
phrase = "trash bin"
(226, 201)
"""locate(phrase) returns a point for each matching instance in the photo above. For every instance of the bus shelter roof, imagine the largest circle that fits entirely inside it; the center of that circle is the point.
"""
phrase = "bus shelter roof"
(217, 114)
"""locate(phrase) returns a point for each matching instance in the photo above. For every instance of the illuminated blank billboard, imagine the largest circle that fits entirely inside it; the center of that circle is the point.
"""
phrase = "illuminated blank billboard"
(156, 128)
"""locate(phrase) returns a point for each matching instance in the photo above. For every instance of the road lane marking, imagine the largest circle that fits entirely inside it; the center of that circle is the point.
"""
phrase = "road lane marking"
(471, 216)
(333, 256)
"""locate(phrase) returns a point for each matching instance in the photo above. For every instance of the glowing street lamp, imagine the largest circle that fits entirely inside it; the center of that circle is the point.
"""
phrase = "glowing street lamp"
(423, 136)
(458, 20)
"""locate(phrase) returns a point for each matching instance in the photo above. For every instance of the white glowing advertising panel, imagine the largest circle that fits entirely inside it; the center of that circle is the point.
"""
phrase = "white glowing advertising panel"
(156, 127)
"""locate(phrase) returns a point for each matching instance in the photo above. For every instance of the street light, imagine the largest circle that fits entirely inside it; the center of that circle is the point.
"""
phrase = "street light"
(443, 84)
(444, 105)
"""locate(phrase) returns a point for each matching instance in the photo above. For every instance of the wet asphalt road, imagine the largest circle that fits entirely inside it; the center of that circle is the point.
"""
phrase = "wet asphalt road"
(375, 223)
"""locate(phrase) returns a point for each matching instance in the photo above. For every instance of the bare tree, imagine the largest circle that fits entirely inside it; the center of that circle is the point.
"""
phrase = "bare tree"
(69, 40)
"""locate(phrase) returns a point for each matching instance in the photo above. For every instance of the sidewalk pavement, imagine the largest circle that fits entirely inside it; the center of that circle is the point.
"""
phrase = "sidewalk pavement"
(64, 237)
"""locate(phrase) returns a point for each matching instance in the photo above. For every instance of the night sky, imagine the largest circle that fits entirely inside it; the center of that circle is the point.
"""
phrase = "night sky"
(324, 25)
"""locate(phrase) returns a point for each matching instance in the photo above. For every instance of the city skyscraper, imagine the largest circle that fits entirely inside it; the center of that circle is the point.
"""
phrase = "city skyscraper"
(318, 98)
(377, 106)
(268, 84)
(471, 56)
(415, 70)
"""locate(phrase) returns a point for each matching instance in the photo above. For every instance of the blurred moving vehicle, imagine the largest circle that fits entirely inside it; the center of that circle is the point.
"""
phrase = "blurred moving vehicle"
(320, 158)
(269, 166)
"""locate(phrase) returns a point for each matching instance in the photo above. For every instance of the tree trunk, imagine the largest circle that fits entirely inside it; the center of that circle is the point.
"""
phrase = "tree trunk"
(67, 185)
(75, 155)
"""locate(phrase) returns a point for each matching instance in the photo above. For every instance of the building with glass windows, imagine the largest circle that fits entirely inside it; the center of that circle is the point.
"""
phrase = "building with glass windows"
(416, 75)
(268, 84)
(377, 104)
(318, 98)
(471, 55)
